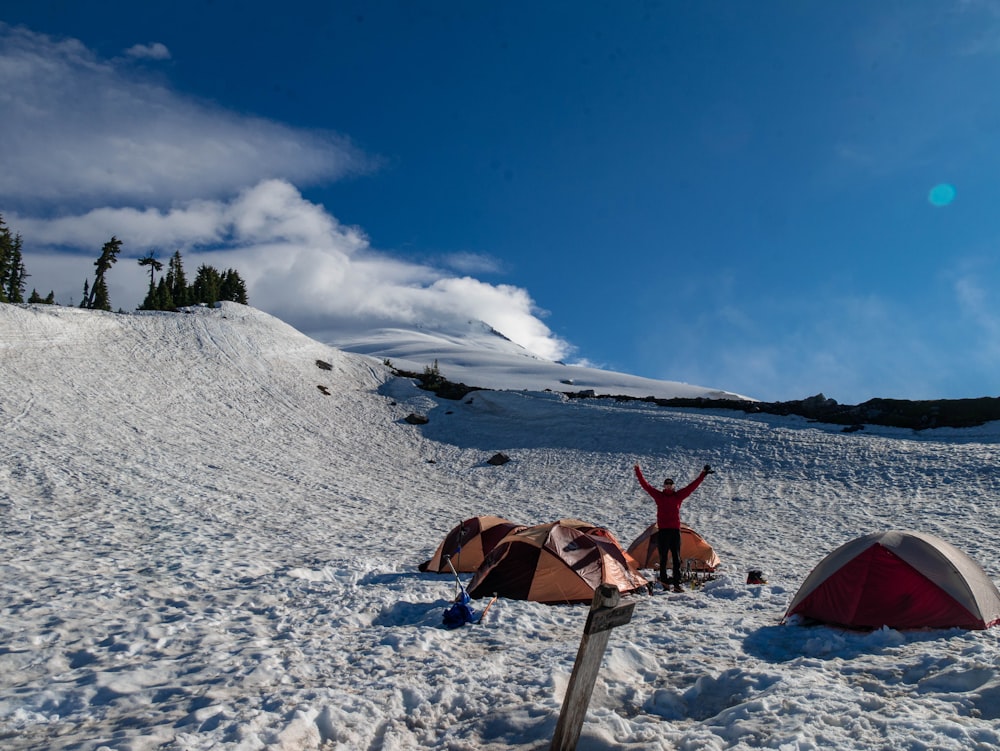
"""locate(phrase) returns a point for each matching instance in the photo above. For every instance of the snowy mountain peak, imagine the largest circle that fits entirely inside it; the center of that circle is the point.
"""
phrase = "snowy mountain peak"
(478, 355)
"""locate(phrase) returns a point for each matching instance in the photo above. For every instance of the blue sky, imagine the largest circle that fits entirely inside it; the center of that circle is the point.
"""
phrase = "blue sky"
(736, 195)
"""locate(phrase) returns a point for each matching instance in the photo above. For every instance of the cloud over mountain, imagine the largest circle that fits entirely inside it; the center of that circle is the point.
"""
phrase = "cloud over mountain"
(97, 148)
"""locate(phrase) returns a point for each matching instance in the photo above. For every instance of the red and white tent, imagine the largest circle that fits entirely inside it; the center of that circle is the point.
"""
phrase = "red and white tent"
(899, 579)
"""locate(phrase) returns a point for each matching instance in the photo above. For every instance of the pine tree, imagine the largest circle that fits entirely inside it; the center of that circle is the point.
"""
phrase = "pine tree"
(162, 299)
(16, 274)
(154, 266)
(177, 283)
(99, 297)
(35, 297)
(85, 303)
(50, 299)
(8, 265)
(207, 285)
(233, 288)
(432, 378)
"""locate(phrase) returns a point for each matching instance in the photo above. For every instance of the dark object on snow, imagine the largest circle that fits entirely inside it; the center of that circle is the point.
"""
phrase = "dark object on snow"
(324, 389)
(323, 365)
(756, 577)
(459, 613)
(414, 419)
(497, 459)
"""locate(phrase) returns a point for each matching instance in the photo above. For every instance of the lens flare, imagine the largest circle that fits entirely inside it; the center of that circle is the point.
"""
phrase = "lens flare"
(941, 194)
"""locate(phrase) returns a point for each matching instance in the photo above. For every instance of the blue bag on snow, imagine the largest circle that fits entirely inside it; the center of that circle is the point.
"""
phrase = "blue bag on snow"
(459, 613)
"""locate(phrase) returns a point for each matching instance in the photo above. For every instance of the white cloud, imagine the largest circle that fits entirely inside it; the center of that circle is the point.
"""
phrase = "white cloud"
(506, 308)
(79, 130)
(163, 172)
(197, 223)
(473, 263)
(298, 261)
(154, 51)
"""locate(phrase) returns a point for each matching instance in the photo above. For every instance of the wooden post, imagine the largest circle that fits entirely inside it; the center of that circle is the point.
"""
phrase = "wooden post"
(605, 614)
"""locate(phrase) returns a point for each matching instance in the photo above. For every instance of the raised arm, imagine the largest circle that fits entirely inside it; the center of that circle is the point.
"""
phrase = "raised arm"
(642, 480)
(685, 492)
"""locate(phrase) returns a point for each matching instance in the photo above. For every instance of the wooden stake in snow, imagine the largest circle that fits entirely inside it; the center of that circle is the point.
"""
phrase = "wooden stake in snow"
(605, 614)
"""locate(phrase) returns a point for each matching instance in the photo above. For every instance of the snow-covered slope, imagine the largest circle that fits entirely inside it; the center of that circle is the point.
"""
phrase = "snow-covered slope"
(200, 548)
(477, 355)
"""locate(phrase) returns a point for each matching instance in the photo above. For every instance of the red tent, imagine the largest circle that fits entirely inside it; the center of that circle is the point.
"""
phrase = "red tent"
(901, 580)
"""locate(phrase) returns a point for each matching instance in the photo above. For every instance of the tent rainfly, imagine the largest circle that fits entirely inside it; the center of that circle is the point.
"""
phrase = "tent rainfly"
(468, 543)
(899, 579)
(693, 548)
(560, 562)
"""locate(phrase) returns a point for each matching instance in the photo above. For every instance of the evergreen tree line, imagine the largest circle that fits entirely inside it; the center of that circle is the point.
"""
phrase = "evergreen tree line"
(12, 271)
(171, 291)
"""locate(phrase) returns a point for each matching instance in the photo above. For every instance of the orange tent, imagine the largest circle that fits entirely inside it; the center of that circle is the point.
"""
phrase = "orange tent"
(468, 543)
(560, 562)
(693, 548)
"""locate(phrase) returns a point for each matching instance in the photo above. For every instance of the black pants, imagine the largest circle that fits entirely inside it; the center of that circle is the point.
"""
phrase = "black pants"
(669, 541)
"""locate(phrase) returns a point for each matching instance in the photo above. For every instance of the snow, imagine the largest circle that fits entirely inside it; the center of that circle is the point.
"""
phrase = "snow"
(476, 354)
(202, 550)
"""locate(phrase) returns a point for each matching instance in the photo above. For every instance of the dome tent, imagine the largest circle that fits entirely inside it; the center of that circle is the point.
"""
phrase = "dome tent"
(899, 579)
(468, 543)
(694, 548)
(560, 562)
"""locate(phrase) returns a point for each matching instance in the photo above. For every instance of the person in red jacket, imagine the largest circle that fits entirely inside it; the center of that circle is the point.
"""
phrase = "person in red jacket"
(668, 520)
